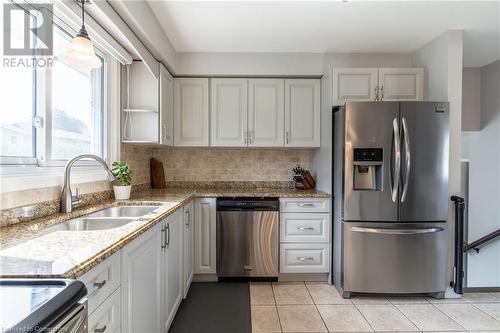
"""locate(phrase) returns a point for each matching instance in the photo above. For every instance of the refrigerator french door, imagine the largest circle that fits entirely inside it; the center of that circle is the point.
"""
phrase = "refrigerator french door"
(393, 235)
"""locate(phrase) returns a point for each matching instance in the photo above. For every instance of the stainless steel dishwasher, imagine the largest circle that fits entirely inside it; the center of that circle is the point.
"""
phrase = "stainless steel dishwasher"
(247, 237)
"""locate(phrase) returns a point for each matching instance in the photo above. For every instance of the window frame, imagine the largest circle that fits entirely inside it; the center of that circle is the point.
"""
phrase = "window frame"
(42, 109)
(18, 173)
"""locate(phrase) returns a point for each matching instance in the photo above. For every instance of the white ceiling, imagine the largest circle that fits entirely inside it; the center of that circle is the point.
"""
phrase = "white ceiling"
(329, 27)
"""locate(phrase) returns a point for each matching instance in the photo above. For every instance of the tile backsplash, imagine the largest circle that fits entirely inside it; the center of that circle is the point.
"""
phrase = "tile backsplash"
(231, 164)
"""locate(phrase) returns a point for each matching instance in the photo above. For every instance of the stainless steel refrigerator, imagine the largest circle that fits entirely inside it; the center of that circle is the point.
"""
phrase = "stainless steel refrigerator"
(390, 181)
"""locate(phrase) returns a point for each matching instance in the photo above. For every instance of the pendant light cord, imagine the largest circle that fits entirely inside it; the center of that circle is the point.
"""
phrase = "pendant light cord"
(83, 14)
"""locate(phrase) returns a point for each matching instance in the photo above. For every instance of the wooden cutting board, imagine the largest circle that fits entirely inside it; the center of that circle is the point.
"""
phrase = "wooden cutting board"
(157, 174)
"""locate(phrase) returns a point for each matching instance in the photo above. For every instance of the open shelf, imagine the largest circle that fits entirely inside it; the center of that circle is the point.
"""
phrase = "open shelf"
(140, 110)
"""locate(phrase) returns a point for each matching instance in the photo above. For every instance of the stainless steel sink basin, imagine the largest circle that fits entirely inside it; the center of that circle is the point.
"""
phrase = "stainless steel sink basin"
(108, 218)
(85, 223)
(123, 211)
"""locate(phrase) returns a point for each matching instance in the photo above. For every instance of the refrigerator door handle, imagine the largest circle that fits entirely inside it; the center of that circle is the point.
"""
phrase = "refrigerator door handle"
(407, 159)
(394, 178)
(387, 231)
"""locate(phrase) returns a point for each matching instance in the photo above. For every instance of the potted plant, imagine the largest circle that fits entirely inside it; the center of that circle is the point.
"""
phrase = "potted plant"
(122, 185)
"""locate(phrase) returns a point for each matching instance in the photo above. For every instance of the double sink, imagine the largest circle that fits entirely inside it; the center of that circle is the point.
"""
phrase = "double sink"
(108, 218)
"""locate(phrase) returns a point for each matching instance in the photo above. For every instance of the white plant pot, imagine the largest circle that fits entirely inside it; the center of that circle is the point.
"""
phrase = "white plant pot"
(122, 192)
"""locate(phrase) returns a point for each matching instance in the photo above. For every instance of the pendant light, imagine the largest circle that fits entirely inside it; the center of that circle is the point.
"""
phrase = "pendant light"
(81, 53)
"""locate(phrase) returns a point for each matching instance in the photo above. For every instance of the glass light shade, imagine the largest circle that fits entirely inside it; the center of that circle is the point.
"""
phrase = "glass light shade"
(82, 54)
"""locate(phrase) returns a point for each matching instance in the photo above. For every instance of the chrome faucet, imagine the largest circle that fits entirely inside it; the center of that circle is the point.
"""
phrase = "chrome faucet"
(67, 199)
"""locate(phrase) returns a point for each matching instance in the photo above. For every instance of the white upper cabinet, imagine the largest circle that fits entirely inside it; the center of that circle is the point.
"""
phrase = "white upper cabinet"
(228, 112)
(401, 84)
(354, 84)
(147, 115)
(377, 84)
(191, 112)
(140, 121)
(266, 112)
(302, 112)
(166, 107)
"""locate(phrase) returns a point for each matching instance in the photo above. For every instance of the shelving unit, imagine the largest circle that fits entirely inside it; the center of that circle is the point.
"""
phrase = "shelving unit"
(146, 116)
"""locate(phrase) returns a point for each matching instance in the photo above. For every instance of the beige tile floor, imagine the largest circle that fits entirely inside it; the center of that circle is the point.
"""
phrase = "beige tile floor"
(317, 307)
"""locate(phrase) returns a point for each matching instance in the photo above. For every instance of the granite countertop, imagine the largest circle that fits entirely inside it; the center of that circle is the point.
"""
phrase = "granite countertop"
(26, 251)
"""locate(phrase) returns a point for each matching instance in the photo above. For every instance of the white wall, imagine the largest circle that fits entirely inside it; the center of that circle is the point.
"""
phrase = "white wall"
(482, 149)
(471, 99)
(280, 64)
(442, 59)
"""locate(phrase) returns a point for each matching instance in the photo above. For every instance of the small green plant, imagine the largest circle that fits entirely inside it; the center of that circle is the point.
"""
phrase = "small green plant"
(122, 173)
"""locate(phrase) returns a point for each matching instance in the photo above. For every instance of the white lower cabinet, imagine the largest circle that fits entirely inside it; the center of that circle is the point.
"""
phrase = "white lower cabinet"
(142, 265)
(172, 269)
(205, 236)
(304, 258)
(101, 281)
(305, 235)
(188, 254)
(107, 316)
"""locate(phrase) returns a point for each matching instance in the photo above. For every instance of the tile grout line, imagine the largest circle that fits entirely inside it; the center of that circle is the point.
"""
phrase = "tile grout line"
(435, 306)
(362, 315)
(316, 307)
(486, 313)
(411, 321)
(276, 307)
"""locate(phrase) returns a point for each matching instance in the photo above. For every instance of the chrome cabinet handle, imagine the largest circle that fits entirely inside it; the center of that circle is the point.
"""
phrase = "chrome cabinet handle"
(305, 258)
(287, 137)
(387, 231)
(382, 93)
(99, 285)
(376, 93)
(305, 228)
(407, 159)
(167, 244)
(164, 132)
(394, 178)
(305, 205)
(245, 134)
(100, 330)
(163, 238)
(188, 218)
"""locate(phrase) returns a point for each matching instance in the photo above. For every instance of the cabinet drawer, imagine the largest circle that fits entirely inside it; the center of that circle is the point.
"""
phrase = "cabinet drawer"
(304, 258)
(305, 228)
(102, 280)
(303, 205)
(106, 318)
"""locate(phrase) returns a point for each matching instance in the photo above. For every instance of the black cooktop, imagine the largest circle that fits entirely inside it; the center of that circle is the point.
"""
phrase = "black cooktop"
(28, 304)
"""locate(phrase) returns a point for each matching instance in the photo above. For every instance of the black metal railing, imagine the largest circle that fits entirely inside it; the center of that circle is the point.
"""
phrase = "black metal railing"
(460, 246)
(459, 243)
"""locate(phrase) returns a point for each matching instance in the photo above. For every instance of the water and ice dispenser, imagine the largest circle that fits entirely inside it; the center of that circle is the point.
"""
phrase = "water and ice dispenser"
(367, 169)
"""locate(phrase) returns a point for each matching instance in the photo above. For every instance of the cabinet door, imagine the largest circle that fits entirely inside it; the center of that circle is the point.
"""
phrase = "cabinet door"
(188, 254)
(266, 112)
(228, 121)
(401, 84)
(191, 115)
(302, 113)
(173, 267)
(166, 107)
(354, 84)
(204, 234)
(141, 283)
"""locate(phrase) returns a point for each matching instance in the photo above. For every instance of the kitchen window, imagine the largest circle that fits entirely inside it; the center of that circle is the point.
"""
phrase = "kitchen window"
(50, 114)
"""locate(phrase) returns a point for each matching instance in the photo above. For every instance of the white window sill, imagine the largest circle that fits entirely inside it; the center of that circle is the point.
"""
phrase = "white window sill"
(19, 178)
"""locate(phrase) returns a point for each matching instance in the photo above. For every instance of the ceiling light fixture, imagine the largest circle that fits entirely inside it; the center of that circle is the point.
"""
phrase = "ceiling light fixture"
(81, 53)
